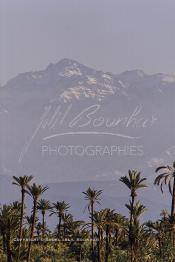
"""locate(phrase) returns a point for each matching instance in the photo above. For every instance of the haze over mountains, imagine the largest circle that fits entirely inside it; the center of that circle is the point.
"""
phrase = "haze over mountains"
(71, 123)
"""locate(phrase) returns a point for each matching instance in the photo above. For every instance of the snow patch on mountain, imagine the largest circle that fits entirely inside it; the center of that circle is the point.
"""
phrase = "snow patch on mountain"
(91, 80)
(81, 91)
(107, 76)
(70, 71)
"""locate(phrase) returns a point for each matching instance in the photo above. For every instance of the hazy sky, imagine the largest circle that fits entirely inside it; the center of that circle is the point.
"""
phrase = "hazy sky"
(113, 35)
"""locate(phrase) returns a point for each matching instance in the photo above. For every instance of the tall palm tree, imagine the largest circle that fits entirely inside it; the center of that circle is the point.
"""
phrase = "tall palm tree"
(43, 205)
(99, 223)
(136, 228)
(22, 182)
(35, 191)
(167, 177)
(92, 196)
(59, 208)
(133, 182)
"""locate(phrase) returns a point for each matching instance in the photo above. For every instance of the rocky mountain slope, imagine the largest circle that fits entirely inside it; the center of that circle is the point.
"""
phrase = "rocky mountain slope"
(71, 123)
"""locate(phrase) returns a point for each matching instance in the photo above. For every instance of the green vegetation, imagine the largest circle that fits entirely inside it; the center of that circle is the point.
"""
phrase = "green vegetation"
(108, 236)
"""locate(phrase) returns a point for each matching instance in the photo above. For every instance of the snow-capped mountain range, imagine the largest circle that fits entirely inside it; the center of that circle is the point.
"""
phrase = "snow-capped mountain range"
(71, 123)
(78, 81)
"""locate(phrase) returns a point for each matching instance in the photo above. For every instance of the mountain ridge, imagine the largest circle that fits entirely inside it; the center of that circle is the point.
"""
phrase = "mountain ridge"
(65, 62)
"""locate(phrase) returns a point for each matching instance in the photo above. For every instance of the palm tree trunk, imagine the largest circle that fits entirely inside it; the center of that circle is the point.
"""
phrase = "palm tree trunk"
(64, 231)
(21, 222)
(59, 227)
(160, 247)
(99, 245)
(116, 236)
(43, 224)
(32, 231)
(130, 228)
(4, 241)
(107, 244)
(8, 240)
(173, 208)
(92, 230)
(173, 201)
(102, 244)
(80, 253)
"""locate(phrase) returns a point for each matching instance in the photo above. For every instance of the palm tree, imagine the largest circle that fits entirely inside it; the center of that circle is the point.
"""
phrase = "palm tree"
(22, 182)
(43, 205)
(9, 225)
(138, 210)
(157, 229)
(121, 228)
(167, 177)
(29, 220)
(59, 208)
(35, 191)
(79, 247)
(99, 223)
(136, 229)
(110, 221)
(133, 182)
(67, 224)
(39, 229)
(75, 228)
(92, 196)
(106, 220)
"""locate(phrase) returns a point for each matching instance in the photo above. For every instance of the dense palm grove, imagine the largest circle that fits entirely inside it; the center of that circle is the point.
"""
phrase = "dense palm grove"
(107, 236)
